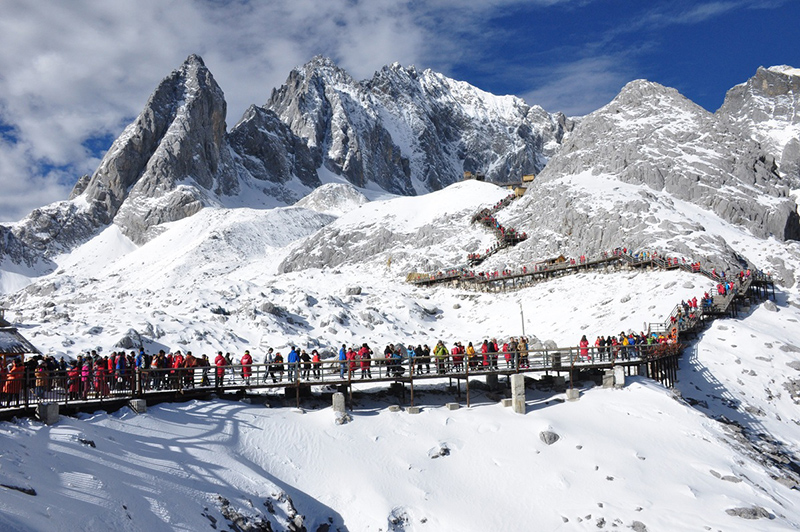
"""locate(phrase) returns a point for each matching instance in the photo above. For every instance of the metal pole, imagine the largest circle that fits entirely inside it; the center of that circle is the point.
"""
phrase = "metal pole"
(466, 367)
(411, 376)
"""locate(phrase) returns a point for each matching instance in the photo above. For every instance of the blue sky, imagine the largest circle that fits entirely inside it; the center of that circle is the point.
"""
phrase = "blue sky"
(73, 74)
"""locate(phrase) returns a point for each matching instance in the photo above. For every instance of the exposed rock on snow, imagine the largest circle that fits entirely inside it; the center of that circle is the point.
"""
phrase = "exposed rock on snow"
(767, 108)
(441, 450)
(131, 340)
(549, 437)
(754, 512)
(179, 138)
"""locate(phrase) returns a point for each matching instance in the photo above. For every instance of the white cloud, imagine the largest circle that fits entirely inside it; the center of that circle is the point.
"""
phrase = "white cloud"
(579, 87)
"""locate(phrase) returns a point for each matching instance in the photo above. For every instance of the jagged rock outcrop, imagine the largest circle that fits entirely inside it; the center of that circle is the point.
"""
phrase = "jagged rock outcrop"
(269, 151)
(324, 105)
(648, 152)
(767, 109)
(680, 148)
(411, 131)
(172, 159)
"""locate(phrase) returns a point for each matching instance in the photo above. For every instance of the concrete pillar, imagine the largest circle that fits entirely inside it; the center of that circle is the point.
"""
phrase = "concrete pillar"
(491, 381)
(338, 402)
(47, 413)
(518, 393)
(619, 377)
(138, 405)
(573, 394)
(608, 379)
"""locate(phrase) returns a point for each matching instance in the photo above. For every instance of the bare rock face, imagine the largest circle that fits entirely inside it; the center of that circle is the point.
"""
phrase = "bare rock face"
(766, 108)
(172, 159)
(651, 135)
(169, 163)
(404, 127)
(269, 150)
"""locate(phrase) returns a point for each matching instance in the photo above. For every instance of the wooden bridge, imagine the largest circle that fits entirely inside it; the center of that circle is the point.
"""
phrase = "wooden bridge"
(298, 379)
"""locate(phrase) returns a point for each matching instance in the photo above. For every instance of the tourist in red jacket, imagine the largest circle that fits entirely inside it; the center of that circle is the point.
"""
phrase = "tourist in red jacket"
(220, 374)
(73, 381)
(13, 385)
(247, 370)
(584, 344)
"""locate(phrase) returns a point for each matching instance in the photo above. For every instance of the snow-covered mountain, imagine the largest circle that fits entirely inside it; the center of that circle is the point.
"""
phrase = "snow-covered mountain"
(717, 452)
(767, 108)
(183, 239)
(401, 132)
(413, 132)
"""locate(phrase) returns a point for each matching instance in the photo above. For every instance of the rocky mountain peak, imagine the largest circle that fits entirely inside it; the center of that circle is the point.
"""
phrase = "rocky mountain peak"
(652, 135)
(766, 108)
(178, 139)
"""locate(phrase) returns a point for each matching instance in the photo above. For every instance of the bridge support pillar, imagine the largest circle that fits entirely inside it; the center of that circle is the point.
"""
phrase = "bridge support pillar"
(138, 405)
(608, 378)
(491, 381)
(573, 394)
(518, 393)
(619, 377)
(47, 413)
(338, 402)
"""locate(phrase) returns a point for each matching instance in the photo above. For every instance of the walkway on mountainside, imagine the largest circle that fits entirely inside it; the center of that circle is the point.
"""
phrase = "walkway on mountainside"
(505, 236)
(730, 294)
(658, 361)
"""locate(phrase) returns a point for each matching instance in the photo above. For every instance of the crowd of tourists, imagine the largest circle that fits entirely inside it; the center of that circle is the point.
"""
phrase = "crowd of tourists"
(94, 376)
(624, 346)
(506, 236)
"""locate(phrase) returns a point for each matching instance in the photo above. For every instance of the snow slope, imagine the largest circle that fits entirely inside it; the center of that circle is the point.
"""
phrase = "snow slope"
(641, 457)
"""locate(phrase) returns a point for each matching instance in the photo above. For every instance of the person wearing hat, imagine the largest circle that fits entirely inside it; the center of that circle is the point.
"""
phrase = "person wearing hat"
(40, 374)
(247, 370)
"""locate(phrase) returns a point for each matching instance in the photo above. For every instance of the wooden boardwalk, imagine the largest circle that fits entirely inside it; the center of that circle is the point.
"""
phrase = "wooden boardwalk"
(332, 375)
